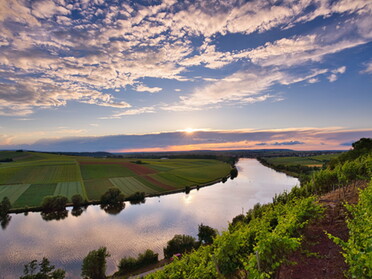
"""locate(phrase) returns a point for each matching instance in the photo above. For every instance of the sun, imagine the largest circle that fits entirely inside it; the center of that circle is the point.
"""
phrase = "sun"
(189, 130)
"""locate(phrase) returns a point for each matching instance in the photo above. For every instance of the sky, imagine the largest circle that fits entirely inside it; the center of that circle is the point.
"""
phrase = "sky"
(80, 75)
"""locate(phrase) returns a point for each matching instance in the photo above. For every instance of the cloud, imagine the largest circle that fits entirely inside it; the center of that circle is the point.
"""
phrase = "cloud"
(313, 80)
(293, 142)
(332, 78)
(340, 70)
(368, 68)
(304, 138)
(298, 50)
(143, 88)
(243, 87)
(46, 9)
(134, 112)
(54, 52)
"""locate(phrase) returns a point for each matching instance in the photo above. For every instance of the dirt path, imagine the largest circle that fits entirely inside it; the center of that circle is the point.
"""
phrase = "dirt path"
(319, 257)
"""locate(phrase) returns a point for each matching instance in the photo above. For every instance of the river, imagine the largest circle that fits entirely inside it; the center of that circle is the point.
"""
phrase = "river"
(138, 227)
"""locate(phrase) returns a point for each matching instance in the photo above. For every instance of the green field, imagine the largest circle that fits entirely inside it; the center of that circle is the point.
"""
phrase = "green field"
(311, 161)
(104, 171)
(31, 176)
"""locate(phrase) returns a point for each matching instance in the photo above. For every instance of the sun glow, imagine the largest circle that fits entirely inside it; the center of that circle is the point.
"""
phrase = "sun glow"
(190, 130)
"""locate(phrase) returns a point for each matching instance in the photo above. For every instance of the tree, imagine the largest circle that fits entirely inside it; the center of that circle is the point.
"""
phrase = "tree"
(77, 200)
(129, 264)
(112, 196)
(5, 206)
(206, 234)
(54, 203)
(180, 244)
(233, 173)
(46, 270)
(94, 264)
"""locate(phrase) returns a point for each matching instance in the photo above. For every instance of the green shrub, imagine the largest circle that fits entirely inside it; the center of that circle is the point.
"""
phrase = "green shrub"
(180, 244)
(54, 203)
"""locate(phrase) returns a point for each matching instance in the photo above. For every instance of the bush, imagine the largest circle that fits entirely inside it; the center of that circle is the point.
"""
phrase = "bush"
(129, 264)
(113, 196)
(233, 173)
(206, 234)
(54, 203)
(46, 270)
(77, 200)
(137, 197)
(5, 206)
(94, 264)
(180, 244)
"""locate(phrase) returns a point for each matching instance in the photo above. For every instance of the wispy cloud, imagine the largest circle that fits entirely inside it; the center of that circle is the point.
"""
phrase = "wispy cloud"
(54, 52)
(143, 88)
(305, 138)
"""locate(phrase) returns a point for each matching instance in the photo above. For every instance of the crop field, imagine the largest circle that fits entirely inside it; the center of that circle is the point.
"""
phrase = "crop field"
(13, 192)
(34, 195)
(312, 161)
(31, 176)
(68, 189)
(94, 171)
(130, 185)
(95, 188)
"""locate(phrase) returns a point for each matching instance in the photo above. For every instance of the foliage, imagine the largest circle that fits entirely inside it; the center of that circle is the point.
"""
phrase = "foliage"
(112, 196)
(137, 197)
(46, 270)
(253, 250)
(94, 264)
(5, 206)
(358, 248)
(180, 244)
(206, 234)
(77, 200)
(54, 203)
(233, 173)
(360, 148)
(129, 264)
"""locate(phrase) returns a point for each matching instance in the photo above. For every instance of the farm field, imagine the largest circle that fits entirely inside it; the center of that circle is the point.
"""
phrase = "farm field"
(312, 161)
(31, 176)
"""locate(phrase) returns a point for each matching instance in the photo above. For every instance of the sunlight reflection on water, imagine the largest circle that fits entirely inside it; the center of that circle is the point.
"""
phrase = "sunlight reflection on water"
(138, 227)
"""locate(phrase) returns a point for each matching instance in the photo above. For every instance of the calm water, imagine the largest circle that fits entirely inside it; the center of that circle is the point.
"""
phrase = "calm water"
(138, 227)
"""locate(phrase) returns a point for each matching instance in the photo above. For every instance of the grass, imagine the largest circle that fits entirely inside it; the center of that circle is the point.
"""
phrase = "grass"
(104, 171)
(172, 180)
(311, 161)
(39, 174)
(13, 192)
(147, 183)
(68, 189)
(202, 174)
(95, 188)
(35, 194)
(130, 185)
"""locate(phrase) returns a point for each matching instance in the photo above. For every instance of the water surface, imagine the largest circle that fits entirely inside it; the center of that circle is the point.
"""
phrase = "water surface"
(138, 227)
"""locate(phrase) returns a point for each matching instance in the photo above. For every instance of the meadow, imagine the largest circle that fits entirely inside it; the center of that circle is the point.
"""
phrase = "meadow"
(30, 176)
